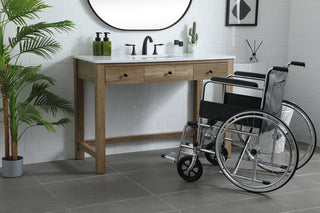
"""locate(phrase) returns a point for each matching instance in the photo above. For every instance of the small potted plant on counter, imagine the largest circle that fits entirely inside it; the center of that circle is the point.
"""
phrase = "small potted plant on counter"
(192, 44)
(24, 90)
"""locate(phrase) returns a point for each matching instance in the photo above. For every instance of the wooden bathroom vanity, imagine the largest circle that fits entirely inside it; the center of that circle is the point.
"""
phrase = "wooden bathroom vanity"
(102, 70)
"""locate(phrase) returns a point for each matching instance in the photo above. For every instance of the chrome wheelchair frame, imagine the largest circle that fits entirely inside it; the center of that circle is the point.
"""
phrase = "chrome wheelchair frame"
(239, 140)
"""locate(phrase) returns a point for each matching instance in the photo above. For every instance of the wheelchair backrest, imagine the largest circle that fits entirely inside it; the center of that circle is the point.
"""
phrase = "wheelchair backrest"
(236, 103)
(274, 91)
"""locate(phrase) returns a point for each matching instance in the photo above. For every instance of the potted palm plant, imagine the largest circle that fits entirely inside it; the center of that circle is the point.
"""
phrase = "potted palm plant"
(24, 90)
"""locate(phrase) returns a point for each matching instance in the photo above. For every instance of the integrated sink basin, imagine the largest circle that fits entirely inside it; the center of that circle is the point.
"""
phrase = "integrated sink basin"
(150, 57)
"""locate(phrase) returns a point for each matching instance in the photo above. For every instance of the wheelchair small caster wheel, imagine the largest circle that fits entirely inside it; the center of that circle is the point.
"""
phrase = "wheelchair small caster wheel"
(183, 165)
(212, 157)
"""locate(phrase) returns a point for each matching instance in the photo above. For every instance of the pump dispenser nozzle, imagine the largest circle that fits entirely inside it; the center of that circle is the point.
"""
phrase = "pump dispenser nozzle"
(98, 36)
(106, 36)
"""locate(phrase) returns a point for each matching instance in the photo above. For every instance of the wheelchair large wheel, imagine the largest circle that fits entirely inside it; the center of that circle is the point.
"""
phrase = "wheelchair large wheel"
(194, 174)
(303, 130)
(263, 155)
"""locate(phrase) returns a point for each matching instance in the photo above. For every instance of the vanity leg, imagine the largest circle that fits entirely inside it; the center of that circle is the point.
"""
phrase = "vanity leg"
(79, 113)
(100, 119)
(196, 102)
(197, 97)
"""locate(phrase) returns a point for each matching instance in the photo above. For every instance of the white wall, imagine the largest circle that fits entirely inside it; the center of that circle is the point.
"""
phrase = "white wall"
(154, 107)
(304, 44)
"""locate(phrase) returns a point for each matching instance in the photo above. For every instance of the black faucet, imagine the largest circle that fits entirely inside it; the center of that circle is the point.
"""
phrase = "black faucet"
(144, 46)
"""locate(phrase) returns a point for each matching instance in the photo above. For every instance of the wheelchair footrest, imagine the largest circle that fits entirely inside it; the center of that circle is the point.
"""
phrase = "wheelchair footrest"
(171, 157)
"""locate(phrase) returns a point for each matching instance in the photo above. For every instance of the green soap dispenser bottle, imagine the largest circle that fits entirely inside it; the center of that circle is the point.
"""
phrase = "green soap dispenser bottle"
(106, 50)
(97, 45)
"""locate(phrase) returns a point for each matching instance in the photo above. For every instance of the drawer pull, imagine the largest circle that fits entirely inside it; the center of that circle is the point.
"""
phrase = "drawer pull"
(126, 75)
(170, 72)
(210, 71)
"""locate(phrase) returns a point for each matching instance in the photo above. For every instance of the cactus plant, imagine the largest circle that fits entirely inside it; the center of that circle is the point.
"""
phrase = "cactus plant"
(193, 34)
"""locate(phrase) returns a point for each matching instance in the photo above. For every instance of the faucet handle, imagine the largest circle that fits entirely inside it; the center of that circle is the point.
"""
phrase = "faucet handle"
(155, 49)
(133, 48)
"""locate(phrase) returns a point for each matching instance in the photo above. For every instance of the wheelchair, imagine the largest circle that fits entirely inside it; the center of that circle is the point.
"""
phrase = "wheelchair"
(307, 141)
(253, 147)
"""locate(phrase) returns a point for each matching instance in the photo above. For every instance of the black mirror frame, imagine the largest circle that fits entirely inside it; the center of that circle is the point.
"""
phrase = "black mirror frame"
(190, 2)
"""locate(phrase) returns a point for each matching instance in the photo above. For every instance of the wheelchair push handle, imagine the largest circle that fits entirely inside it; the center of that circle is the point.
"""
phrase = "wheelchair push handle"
(298, 63)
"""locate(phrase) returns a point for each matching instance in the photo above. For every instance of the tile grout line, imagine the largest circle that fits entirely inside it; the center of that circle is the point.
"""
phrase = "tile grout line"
(128, 161)
(190, 190)
(244, 199)
(62, 204)
(299, 210)
(153, 194)
(310, 180)
(111, 202)
(82, 178)
(218, 203)
(142, 158)
(170, 211)
(117, 201)
(138, 170)
(298, 191)
(314, 173)
(73, 179)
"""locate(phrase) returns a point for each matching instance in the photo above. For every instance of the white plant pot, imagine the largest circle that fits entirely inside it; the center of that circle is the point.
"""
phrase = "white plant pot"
(11, 169)
(192, 48)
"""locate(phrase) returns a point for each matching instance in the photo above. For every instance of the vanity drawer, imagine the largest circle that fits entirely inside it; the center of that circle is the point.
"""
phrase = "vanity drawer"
(168, 73)
(209, 70)
(124, 75)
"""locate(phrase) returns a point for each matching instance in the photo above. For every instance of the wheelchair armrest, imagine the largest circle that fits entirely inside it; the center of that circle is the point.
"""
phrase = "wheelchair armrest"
(250, 74)
(281, 69)
(234, 82)
(192, 124)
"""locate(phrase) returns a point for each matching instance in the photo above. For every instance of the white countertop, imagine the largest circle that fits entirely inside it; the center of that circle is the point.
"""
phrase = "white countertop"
(130, 59)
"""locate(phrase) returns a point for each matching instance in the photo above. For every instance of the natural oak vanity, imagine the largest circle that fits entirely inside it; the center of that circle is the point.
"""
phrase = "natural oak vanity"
(103, 70)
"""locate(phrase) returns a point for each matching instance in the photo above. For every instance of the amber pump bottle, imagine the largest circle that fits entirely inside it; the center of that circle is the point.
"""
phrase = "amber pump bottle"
(106, 49)
(97, 45)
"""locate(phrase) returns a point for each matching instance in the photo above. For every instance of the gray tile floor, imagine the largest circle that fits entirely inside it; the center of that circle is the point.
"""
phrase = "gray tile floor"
(145, 183)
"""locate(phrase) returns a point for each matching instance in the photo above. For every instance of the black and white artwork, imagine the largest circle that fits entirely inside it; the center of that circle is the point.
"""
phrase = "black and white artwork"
(242, 12)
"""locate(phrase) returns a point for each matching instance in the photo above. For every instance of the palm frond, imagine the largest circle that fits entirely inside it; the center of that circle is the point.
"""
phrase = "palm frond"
(43, 46)
(31, 74)
(19, 10)
(24, 74)
(16, 78)
(49, 102)
(29, 114)
(62, 122)
(41, 77)
(40, 30)
(8, 80)
(37, 89)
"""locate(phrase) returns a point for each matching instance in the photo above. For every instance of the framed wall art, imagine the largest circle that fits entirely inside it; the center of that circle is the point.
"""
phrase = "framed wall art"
(242, 12)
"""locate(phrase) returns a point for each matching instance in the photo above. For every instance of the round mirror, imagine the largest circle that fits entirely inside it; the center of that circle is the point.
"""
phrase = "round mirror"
(140, 14)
